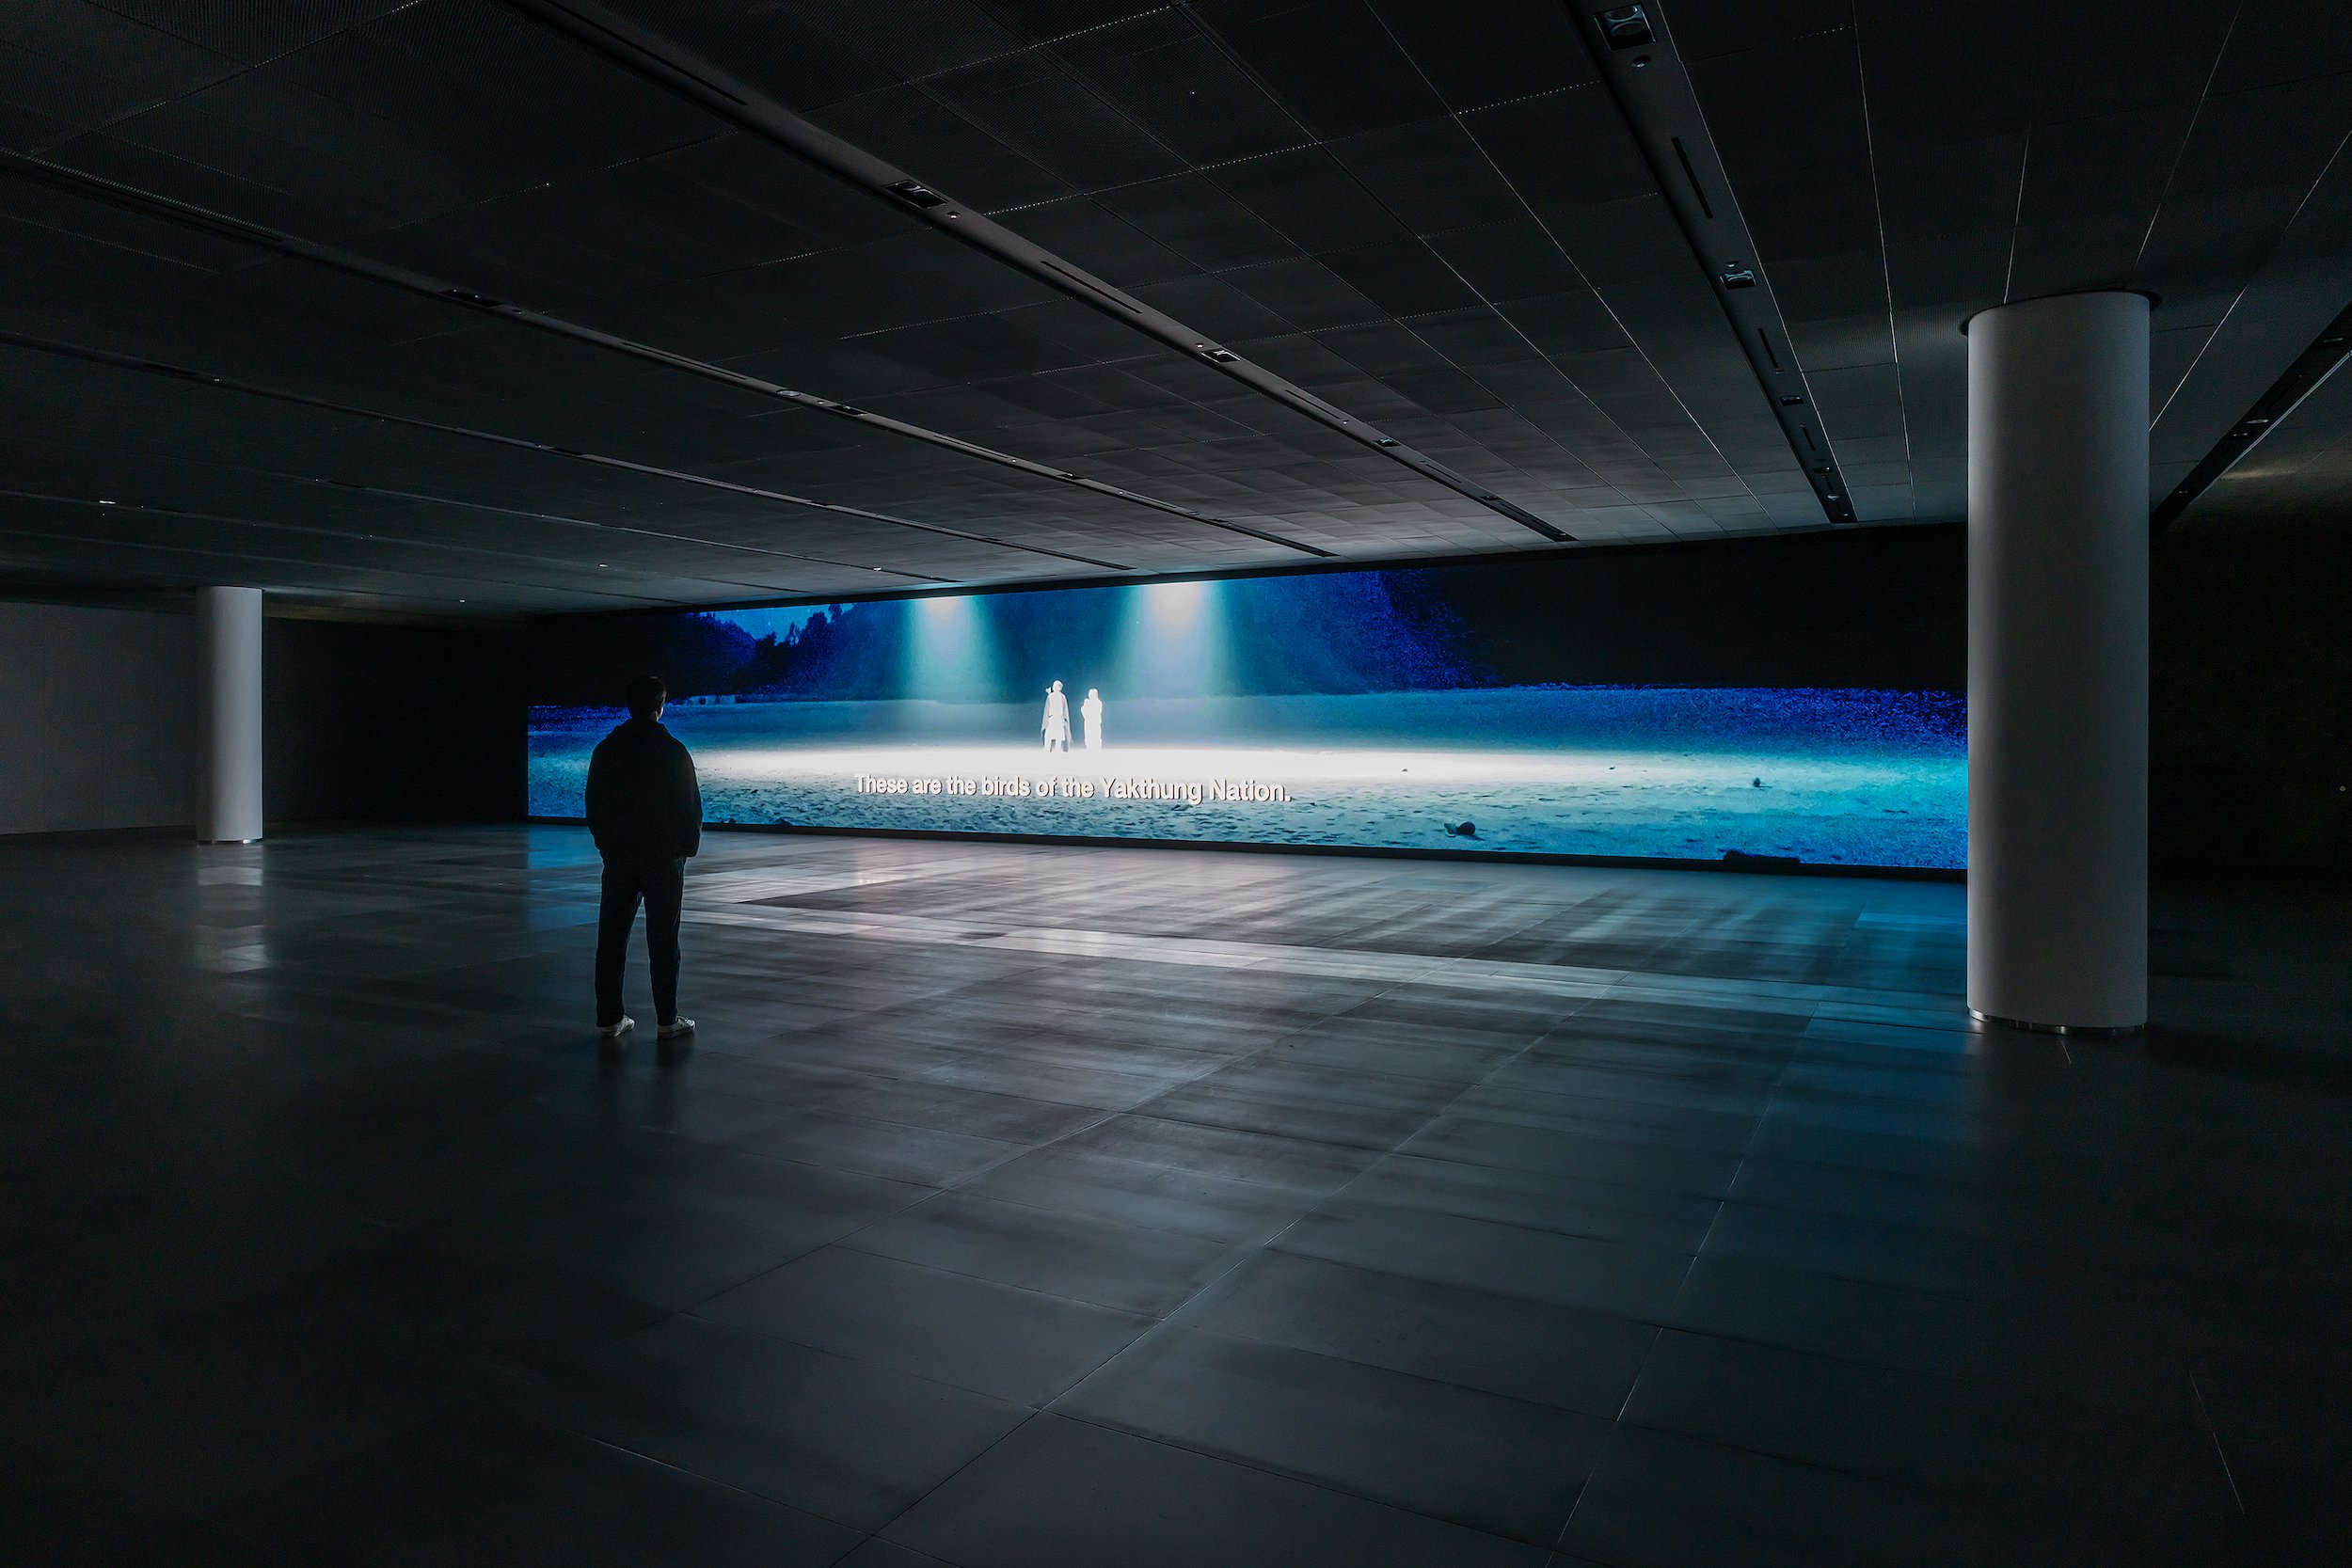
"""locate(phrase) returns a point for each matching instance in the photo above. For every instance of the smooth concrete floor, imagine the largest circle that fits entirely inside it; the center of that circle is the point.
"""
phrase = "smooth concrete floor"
(1069, 1206)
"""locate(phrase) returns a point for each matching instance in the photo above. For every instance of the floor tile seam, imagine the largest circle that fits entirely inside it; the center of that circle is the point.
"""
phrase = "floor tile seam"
(1498, 1111)
(1372, 1150)
(927, 1193)
(881, 1531)
(833, 1168)
(1597, 1417)
(708, 1480)
(1513, 1060)
(1293, 1478)
(961, 1188)
(1905, 1067)
(2040, 1211)
(1236, 1255)
(1276, 1097)
(1833, 992)
(1609, 1439)
(926, 1079)
(1405, 1269)
(1206, 1070)
(1577, 1086)
(1260, 1052)
(2116, 1523)
(2040, 1291)
(1691, 1192)
(2023, 1390)
(1968, 1503)
(1645, 1066)
(2139, 1286)
(560, 1424)
(848, 1359)
(1565, 1231)
(871, 1081)
(1323, 1205)
(2004, 1194)
(2039, 1120)
(1731, 1185)
(1533, 922)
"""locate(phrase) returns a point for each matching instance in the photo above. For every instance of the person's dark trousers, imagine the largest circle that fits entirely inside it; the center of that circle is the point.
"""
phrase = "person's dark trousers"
(661, 886)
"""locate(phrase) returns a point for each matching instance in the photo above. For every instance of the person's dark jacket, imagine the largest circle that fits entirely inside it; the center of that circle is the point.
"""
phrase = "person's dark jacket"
(644, 804)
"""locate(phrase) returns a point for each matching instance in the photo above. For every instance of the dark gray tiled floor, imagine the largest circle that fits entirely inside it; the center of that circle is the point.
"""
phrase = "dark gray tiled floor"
(1075, 1207)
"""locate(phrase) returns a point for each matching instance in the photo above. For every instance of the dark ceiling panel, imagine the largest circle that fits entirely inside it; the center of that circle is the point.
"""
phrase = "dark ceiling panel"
(1430, 216)
(1033, 104)
(1330, 62)
(1197, 220)
(1178, 85)
(138, 64)
(249, 34)
(2246, 170)
(1475, 56)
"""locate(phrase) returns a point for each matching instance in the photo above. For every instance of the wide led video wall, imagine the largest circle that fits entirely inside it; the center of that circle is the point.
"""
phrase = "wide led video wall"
(1378, 709)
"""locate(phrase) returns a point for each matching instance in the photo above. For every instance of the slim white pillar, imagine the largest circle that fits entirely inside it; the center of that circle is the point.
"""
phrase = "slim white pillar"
(229, 719)
(2057, 663)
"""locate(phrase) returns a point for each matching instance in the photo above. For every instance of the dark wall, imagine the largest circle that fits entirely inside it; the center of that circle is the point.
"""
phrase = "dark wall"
(1886, 608)
(2251, 688)
(97, 716)
(392, 723)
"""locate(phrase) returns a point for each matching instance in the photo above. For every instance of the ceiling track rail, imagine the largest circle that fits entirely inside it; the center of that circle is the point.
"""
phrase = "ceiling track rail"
(518, 443)
(1646, 77)
(2314, 365)
(686, 75)
(148, 203)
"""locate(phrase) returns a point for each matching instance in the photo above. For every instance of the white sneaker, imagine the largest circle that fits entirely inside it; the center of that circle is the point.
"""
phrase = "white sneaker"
(616, 1036)
(675, 1026)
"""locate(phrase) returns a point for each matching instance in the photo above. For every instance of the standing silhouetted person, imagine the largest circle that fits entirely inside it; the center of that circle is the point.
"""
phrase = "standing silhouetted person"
(646, 812)
(1057, 720)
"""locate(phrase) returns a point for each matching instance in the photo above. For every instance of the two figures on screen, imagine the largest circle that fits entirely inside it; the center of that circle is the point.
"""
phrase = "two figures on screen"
(1058, 719)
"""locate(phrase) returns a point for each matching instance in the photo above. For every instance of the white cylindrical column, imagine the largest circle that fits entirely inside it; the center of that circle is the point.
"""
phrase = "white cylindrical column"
(229, 718)
(2057, 662)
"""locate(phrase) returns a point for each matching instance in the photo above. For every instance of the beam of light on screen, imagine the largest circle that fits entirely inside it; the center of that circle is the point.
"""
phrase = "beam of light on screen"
(1172, 641)
(951, 656)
